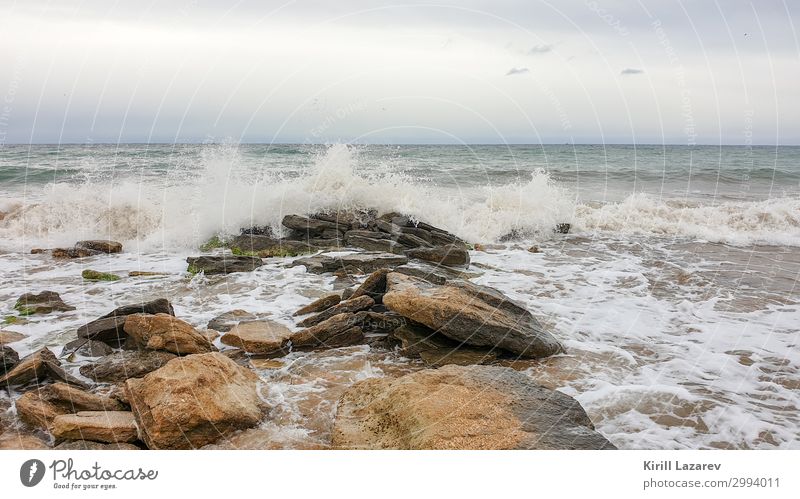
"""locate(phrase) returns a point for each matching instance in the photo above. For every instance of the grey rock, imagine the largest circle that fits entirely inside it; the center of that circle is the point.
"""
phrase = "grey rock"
(223, 264)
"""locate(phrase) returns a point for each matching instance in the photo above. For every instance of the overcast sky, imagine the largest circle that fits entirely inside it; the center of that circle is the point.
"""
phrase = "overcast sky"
(478, 71)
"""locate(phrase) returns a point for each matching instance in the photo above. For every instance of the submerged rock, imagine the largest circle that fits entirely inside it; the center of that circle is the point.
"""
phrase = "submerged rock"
(455, 407)
(223, 264)
(120, 366)
(262, 337)
(98, 426)
(42, 303)
(193, 401)
(166, 332)
(476, 315)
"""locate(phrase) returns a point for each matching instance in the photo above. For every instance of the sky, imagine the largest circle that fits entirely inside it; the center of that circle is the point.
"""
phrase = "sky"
(442, 71)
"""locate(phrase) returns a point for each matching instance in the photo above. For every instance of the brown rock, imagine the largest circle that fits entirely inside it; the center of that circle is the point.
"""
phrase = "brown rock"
(194, 400)
(89, 445)
(103, 246)
(338, 331)
(40, 407)
(320, 304)
(12, 440)
(374, 285)
(98, 426)
(349, 306)
(109, 328)
(455, 407)
(262, 337)
(165, 332)
(42, 303)
(10, 337)
(38, 366)
(120, 366)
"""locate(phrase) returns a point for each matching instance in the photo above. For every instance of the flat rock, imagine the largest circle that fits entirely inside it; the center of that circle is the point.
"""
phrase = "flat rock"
(354, 263)
(374, 244)
(103, 246)
(193, 401)
(450, 254)
(39, 408)
(98, 426)
(110, 327)
(7, 337)
(348, 306)
(261, 337)
(226, 321)
(166, 332)
(309, 225)
(120, 366)
(8, 359)
(476, 315)
(41, 303)
(457, 407)
(337, 331)
(36, 367)
(223, 264)
(320, 304)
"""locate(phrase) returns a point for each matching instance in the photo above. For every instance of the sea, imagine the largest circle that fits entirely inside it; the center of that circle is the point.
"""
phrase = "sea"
(675, 291)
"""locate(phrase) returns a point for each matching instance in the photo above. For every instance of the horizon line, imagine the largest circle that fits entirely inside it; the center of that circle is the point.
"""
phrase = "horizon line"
(400, 144)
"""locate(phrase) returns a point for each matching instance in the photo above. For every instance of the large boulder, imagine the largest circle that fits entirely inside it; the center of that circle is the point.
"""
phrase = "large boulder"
(223, 264)
(110, 327)
(41, 303)
(98, 426)
(120, 366)
(38, 367)
(262, 337)
(40, 407)
(165, 332)
(194, 400)
(476, 315)
(456, 407)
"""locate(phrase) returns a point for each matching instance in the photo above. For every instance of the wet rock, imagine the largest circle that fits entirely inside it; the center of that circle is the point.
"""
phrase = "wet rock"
(8, 359)
(98, 426)
(373, 286)
(226, 321)
(222, 264)
(42, 303)
(464, 356)
(374, 244)
(10, 337)
(259, 337)
(476, 315)
(377, 322)
(348, 219)
(319, 304)
(257, 230)
(12, 440)
(120, 366)
(435, 274)
(349, 306)
(355, 263)
(94, 275)
(193, 401)
(313, 227)
(338, 331)
(347, 293)
(166, 332)
(102, 246)
(37, 367)
(110, 327)
(563, 228)
(141, 273)
(39, 408)
(75, 252)
(415, 338)
(265, 246)
(88, 348)
(441, 255)
(420, 233)
(456, 407)
(366, 233)
(89, 445)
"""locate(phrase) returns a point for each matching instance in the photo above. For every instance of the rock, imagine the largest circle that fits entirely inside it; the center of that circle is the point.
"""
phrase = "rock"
(120, 366)
(455, 407)
(366, 233)
(476, 315)
(461, 357)
(265, 246)
(75, 252)
(347, 293)
(338, 331)
(100, 245)
(420, 233)
(98, 426)
(110, 327)
(374, 244)
(355, 263)
(88, 348)
(373, 286)
(310, 226)
(348, 219)
(223, 264)
(415, 338)
(349, 306)
(12, 440)
(141, 273)
(319, 304)
(378, 323)
(8, 359)
(93, 275)
(209, 334)
(39, 408)
(38, 366)
(441, 255)
(42, 303)
(435, 274)
(166, 332)
(562, 228)
(89, 445)
(10, 337)
(257, 230)
(225, 322)
(262, 337)
(412, 241)
(194, 400)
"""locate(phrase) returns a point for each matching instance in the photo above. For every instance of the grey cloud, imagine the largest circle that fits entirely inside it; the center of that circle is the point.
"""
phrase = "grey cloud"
(517, 71)
(631, 71)
(540, 49)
